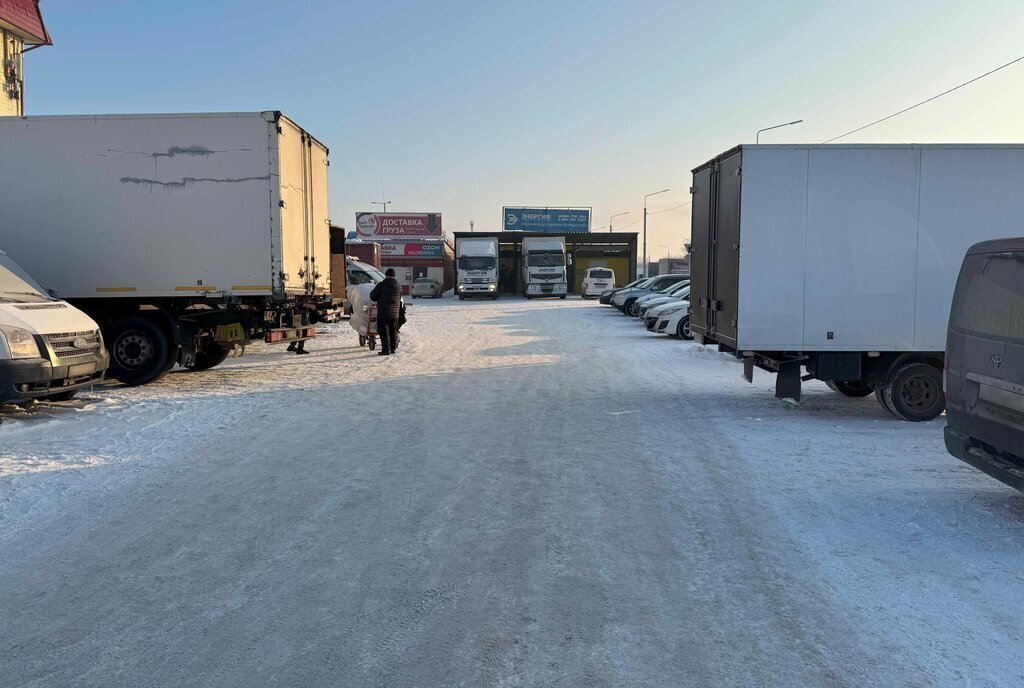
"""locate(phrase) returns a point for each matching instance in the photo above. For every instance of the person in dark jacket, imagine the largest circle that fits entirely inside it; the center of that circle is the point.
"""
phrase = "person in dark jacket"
(388, 295)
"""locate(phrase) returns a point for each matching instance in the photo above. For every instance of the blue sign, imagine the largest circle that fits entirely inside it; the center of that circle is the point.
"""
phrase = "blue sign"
(553, 220)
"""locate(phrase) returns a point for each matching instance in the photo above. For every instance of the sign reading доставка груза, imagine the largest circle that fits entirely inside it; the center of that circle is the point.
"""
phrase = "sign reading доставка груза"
(382, 225)
(554, 220)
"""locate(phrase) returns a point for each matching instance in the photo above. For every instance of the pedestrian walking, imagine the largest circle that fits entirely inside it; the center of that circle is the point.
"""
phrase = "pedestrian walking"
(388, 296)
(313, 316)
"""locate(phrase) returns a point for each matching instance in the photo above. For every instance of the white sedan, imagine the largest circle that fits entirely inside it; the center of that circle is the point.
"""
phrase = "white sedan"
(674, 321)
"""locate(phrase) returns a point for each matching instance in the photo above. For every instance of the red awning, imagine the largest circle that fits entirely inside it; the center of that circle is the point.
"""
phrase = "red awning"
(24, 18)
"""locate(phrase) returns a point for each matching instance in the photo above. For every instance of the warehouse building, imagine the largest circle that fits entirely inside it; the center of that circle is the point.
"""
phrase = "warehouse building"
(615, 250)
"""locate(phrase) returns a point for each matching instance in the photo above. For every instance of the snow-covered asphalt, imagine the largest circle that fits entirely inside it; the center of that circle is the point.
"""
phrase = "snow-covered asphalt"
(530, 494)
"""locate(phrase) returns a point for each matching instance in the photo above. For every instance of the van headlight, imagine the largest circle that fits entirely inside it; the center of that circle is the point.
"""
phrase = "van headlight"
(17, 343)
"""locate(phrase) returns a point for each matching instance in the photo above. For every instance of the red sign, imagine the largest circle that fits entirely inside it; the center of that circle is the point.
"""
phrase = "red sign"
(431, 250)
(382, 225)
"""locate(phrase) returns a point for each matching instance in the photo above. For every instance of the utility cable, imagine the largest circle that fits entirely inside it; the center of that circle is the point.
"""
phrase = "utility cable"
(923, 102)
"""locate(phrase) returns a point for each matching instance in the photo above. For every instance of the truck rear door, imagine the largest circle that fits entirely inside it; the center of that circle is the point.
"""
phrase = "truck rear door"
(305, 233)
(715, 234)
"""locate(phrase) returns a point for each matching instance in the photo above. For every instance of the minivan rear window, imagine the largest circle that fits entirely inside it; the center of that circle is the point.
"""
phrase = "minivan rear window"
(600, 274)
(989, 299)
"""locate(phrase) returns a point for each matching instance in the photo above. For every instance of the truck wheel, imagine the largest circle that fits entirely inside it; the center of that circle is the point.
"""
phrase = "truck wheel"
(855, 388)
(139, 352)
(210, 356)
(562, 296)
(462, 297)
(684, 329)
(915, 393)
(880, 398)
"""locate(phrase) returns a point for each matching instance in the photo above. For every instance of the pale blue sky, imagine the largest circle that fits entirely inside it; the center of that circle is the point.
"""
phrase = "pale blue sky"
(463, 107)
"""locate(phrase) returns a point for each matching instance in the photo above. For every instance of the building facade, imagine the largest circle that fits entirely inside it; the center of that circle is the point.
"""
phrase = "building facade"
(21, 30)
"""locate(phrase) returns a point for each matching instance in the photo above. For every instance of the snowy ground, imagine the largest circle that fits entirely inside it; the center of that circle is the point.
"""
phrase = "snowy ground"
(529, 494)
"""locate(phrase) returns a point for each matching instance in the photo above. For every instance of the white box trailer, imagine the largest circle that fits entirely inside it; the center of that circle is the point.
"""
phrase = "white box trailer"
(183, 235)
(842, 259)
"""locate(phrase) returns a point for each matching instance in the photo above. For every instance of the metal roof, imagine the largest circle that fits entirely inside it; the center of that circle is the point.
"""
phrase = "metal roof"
(24, 18)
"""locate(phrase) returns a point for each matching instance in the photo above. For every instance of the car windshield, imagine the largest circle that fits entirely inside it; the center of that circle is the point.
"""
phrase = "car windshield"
(643, 284)
(682, 291)
(363, 273)
(990, 297)
(545, 259)
(672, 287)
(476, 262)
(600, 274)
(16, 285)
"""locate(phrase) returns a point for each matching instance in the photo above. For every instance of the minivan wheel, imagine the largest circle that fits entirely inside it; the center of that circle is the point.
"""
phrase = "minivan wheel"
(66, 395)
(915, 393)
(139, 351)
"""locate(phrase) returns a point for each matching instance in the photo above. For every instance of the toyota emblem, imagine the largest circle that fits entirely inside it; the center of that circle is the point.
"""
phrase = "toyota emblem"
(996, 361)
(80, 343)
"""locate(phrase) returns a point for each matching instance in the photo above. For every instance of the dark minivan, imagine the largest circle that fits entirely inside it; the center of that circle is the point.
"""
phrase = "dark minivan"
(985, 362)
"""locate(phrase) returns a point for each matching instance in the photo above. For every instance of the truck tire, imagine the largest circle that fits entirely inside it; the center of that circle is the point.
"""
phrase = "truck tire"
(915, 393)
(139, 351)
(462, 297)
(210, 356)
(855, 388)
(562, 296)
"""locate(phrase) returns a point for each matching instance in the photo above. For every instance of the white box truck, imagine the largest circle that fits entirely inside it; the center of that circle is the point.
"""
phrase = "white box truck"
(841, 259)
(476, 265)
(543, 265)
(182, 235)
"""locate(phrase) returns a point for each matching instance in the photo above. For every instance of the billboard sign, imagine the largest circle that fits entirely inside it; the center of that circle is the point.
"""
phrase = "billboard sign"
(432, 249)
(553, 220)
(383, 225)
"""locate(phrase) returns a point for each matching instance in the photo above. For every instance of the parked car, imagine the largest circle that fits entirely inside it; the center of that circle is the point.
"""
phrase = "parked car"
(607, 294)
(656, 311)
(597, 280)
(625, 298)
(985, 362)
(426, 286)
(48, 348)
(676, 292)
(673, 320)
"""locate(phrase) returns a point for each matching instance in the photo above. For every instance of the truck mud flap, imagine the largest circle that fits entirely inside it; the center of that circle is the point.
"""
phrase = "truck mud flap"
(788, 381)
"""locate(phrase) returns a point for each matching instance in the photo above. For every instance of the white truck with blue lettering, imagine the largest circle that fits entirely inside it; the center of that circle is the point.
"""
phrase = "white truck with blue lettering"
(543, 265)
(477, 267)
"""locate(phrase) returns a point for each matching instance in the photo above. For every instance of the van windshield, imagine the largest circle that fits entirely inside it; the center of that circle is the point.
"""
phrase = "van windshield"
(545, 259)
(476, 262)
(989, 299)
(16, 285)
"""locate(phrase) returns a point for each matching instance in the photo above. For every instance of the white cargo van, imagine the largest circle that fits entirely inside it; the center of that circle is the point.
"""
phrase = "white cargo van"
(596, 280)
(48, 348)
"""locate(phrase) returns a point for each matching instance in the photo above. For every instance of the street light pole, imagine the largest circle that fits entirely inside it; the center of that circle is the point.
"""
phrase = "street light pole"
(646, 261)
(383, 203)
(613, 217)
(757, 138)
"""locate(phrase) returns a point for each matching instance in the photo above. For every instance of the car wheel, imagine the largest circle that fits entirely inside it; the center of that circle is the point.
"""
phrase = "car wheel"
(915, 393)
(683, 330)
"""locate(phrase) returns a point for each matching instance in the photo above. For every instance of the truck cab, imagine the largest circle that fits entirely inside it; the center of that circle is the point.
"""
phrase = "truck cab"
(48, 348)
(985, 362)
(477, 268)
(544, 267)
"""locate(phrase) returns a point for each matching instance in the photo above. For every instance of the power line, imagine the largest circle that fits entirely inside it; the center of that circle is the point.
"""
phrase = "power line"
(682, 205)
(923, 102)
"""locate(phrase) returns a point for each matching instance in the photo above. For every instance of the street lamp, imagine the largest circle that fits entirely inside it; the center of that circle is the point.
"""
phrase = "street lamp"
(646, 261)
(757, 139)
(383, 203)
(613, 217)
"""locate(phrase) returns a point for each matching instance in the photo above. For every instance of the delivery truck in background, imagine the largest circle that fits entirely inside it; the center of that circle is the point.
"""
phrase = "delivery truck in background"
(184, 236)
(838, 262)
(476, 267)
(544, 267)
